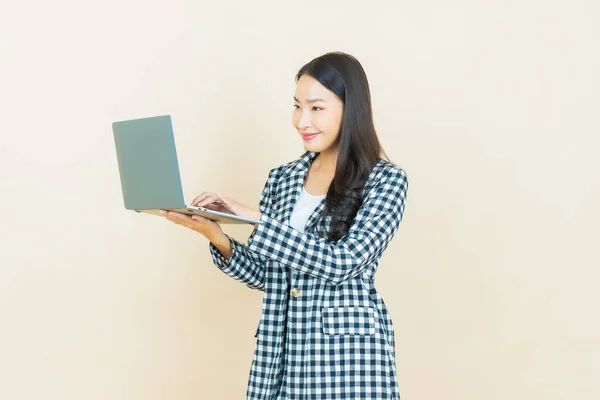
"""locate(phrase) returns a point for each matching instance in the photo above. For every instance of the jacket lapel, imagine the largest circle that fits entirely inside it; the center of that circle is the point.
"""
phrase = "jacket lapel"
(297, 172)
(314, 217)
(290, 189)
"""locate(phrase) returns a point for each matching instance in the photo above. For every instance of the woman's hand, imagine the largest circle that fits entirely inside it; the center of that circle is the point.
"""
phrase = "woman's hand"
(211, 230)
(218, 202)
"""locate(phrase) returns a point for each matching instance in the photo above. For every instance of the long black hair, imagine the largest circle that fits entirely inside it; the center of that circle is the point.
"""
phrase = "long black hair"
(359, 148)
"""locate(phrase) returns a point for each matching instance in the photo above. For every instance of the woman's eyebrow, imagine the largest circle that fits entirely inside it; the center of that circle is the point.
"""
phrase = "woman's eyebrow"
(310, 100)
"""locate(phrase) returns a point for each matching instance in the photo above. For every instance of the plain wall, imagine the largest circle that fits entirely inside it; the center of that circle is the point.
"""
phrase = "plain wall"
(490, 106)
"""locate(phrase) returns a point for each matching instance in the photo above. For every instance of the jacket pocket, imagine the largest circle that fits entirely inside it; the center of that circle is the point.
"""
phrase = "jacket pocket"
(348, 320)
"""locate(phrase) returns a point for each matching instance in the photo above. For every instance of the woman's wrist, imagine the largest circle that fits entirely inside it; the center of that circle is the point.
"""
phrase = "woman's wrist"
(223, 244)
(221, 240)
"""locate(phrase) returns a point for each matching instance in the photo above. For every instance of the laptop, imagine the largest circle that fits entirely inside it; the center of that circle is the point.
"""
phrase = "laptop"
(149, 170)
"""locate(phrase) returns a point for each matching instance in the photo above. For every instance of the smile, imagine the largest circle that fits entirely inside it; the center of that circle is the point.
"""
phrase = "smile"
(309, 136)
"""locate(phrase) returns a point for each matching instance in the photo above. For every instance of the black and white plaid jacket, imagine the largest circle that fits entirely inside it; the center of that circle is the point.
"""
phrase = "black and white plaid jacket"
(324, 333)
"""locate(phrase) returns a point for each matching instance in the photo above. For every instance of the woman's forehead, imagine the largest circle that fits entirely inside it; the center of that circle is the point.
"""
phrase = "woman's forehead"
(308, 89)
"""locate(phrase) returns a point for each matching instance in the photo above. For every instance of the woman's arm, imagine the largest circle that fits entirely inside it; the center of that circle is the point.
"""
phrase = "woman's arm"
(239, 263)
(224, 247)
(374, 226)
(234, 258)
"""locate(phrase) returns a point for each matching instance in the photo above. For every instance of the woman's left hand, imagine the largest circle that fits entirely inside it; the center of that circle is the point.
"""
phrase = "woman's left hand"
(218, 202)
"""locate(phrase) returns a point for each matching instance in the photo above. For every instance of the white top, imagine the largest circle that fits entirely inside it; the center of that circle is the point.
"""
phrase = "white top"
(305, 205)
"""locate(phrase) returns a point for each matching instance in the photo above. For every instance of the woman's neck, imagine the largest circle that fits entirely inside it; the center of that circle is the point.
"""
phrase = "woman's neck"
(326, 162)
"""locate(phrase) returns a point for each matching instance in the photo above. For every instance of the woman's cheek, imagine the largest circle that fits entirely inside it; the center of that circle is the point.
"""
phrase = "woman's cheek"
(321, 122)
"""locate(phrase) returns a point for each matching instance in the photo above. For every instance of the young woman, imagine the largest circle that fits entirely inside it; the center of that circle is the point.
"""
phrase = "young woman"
(327, 217)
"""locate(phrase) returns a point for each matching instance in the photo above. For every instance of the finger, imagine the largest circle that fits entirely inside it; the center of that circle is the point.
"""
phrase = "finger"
(207, 200)
(218, 205)
(190, 219)
(214, 207)
(184, 220)
(225, 200)
(174, 217)
(200, 219)
(179, 216)
(204, 225)
(204, 198)
(201, 197)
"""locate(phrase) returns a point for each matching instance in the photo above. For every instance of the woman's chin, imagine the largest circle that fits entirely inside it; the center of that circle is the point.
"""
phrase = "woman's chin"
(314, 147)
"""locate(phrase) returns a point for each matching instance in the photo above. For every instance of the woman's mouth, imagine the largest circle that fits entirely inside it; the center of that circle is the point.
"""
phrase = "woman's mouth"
(309, 136)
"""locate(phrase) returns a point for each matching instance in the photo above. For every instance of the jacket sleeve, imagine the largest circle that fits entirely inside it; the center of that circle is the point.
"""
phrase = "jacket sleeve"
(243, 265)
(375, 224)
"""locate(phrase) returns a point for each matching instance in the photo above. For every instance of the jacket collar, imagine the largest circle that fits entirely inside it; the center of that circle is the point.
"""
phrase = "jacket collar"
(301, 165)
(297, 170)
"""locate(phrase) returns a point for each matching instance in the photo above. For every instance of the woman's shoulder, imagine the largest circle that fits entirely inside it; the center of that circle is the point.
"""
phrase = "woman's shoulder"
(296, 165)
(386, 179)
(385, 169)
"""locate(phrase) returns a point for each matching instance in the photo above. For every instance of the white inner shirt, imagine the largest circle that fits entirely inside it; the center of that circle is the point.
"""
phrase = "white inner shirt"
(304, 206)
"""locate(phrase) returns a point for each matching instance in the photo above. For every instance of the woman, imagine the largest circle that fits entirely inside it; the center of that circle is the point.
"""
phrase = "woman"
(327, 217)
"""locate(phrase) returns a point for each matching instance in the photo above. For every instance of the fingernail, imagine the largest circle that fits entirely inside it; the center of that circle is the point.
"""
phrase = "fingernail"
(163, 212)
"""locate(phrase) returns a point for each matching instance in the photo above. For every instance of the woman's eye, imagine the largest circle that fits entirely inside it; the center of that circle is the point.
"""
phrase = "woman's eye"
(296, 106)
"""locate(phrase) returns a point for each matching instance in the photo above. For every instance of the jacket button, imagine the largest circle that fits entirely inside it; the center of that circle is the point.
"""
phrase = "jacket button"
(296, 292)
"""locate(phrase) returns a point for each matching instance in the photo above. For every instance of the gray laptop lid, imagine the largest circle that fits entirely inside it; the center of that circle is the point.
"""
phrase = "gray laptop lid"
(148, 164)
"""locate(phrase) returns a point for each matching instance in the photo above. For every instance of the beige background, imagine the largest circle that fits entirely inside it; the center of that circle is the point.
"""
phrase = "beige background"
(490, 106)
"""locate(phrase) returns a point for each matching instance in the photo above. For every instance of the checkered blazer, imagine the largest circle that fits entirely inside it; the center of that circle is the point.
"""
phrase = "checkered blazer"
(334, 339)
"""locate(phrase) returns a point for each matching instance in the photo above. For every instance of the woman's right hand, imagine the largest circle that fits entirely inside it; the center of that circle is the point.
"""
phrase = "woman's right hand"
(211, 230)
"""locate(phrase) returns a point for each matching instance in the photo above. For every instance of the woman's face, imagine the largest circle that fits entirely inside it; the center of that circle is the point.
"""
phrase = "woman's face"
(317, 115)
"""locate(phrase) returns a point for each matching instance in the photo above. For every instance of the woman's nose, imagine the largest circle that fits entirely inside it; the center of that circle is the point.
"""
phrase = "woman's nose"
(304, 121)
